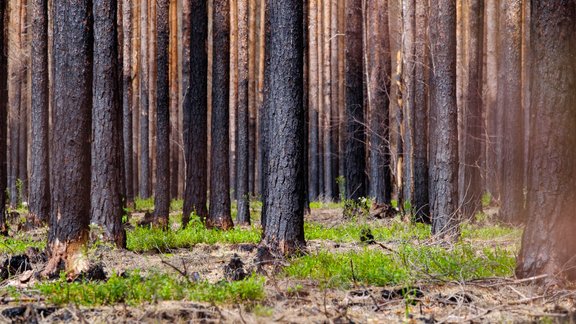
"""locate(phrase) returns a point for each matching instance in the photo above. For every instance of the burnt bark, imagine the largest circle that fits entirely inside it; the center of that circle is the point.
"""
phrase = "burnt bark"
(548, 242)
(39, 159)
(196, 115)
(127, 99)
(70, 201)
(3, 118)
(219, 215)
(107, 205)
(145, 174)
(444, 113)
(285, 195)
(162, 188)
(355, 150)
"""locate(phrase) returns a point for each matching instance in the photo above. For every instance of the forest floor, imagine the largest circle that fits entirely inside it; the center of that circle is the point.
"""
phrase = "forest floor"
(359, 270)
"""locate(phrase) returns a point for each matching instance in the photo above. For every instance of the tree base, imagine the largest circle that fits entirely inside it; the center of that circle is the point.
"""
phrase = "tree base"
(71, 254)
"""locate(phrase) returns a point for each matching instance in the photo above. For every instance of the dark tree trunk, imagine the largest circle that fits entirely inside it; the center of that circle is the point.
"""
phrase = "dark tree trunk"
(219, 215)
(72, 111)
(471, 153)
(145, 174)
(548, 243)
(127, 96)
(379, 88)
(40, 179)
(285, 194)
(196, 116)
(243, 195)
(107, 206)
(3, 118)
(162, 188)
(252, 97)
(355, 159)
(510, 106)
(444, 112)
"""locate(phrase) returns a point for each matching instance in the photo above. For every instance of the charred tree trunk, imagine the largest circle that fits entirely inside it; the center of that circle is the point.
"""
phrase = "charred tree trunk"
(127, 99)
(242, 148)
(219, 215)
(145, 174)
(107, 205)
(162, 188)
(355, 160)
(3, 118)
(196, 116)
(444, 114)
(252, 97)
(40, 179)
(548, 242)
(70, 207)
(285, 195)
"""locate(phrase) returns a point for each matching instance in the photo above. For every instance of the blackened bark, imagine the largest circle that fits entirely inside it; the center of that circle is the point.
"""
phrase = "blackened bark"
(40, 178)
(145, 175)
(355, 159)
(548, 242)
(127, 103)
(444, 112)
(219, 215)
(3, 117)
(70, 207)
(243, 195)
(471, 186)
(285, 194)
(107, 205)
(196, 115)
(162, 188)
(379, 88)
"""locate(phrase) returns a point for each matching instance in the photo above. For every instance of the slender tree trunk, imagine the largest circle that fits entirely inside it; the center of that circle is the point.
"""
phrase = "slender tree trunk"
(219, 215)
(14, 96)
(284, 204)
(24, 103)
(233, 93)
(162, 187)
(408, 97)
(174, 81)
(145, 173)
(196, 116)
(313, 133)
(260, 140)
(252, 96)
(127, 100)
(242, 149)
(3, 117)
(329, 178)
(70, 207)
(490, 98)
(355, 160)
(39, 158)
(548, 242)
(136, 97)
(444, 127)
(107, 205)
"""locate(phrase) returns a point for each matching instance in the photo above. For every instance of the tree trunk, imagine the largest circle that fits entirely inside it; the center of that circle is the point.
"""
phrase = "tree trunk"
(3, 118)
(219, 215)
(510, 105)
(162, 188)
(136, 95)
(174, 81)
(127, 99)
(242, 148)
(39, 159)
(144, 105)
(490, 98)
(252, 97)
(196, 116)
(355, 160)
(328, 152)
(70, 214)
(444, 125)
(24, 103)
(233, 93)
(313, 133)
(284, 204)
(548, 242)
(107, 205)
(471, 137)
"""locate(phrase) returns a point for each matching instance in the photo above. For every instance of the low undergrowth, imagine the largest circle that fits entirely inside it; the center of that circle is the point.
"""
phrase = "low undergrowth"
(19, 244)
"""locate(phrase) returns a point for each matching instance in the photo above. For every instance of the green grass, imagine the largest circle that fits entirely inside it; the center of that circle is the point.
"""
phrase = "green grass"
(350, 232)
(490, 232)
(325, 205)
(136, 290)
(17, 245)
(411, 264)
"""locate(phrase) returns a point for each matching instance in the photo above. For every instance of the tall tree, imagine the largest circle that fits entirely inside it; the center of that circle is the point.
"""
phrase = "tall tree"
(510, 105)
(490, 99)
(242, 147)
(3, 118)
(285, 194)
(107, 205)
(355, 160)
(444, 121)
(196, 115)
(40, 179)
(313, 113)
(70, 204)
(548, 242)
(145, 175)
(219, 215)
(127, 100)
(162, 188)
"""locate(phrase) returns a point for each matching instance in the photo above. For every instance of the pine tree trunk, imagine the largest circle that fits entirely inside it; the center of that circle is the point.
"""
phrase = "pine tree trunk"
(3, 118)
(145, 173)
(252, 96)
(313, 133)
(490, 99)
(174, 82)
(127, 101)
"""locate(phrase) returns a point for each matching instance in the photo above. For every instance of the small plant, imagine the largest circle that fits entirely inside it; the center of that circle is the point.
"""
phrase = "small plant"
(356, 208)
(486, 199)
(341, 181)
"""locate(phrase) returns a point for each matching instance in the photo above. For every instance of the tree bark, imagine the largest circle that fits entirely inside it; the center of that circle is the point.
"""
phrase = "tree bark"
(70, 207)
(145, 173)
(284, 204)
(548, 242)
(174, 83)
(444, 126)
(127, 99)
(313, 132)
(3, 118)
(196, 116)
(328, 149)
(252, 96)
(490, 99)
(39, 158)
(219, 215)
